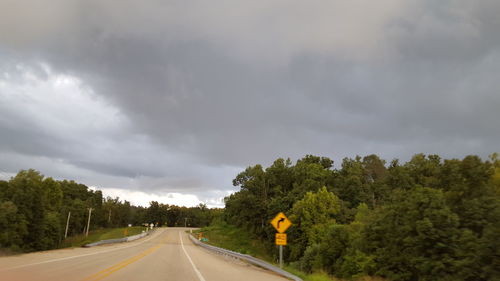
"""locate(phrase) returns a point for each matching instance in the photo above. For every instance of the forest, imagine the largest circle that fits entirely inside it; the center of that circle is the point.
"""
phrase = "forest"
(426, 219)
(34, 211)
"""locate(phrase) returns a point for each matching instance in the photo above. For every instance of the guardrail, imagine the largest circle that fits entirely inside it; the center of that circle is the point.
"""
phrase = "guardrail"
(247, 258)
(117, 240)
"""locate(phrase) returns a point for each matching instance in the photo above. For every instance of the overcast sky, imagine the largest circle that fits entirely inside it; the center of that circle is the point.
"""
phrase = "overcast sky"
(169, 100)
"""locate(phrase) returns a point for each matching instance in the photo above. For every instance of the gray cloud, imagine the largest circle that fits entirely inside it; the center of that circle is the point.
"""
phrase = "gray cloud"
(204, 88)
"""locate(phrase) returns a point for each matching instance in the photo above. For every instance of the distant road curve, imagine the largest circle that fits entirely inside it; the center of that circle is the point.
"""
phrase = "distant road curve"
(167, 254)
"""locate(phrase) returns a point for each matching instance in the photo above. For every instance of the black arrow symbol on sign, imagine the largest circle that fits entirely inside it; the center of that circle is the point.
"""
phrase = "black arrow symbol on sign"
(280, 220)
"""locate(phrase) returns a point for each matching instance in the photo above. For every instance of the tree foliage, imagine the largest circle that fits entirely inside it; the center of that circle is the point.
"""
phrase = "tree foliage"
(34, 211)
(427, 219)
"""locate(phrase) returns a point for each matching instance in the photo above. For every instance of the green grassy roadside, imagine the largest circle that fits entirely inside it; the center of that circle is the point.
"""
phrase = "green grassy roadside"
(101, 234)
(234, 239)
(238, 240)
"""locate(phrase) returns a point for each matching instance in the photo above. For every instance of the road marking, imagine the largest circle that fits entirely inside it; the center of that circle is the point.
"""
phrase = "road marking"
(191, 261)
(110, 270)
(73, 257)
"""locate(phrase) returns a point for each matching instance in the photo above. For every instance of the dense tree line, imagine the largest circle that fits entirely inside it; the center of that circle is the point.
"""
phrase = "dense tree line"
(427, 219)
(34, 211)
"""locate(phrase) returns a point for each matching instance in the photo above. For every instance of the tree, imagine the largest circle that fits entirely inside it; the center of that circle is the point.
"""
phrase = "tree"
(325, 162)
(13, 226)
(489, 252)
(3, 190)
(425, 169)
(350, 185)
(470, 192)
(52, 230)
(495, 179)
(52, 195)
(375, 174)
(312, 215)
(254, 192)
(34, 211)
(26, 188)
(415, 237)
(398, 176)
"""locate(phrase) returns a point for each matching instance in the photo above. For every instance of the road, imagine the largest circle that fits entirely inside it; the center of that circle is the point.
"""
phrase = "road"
(167, 254)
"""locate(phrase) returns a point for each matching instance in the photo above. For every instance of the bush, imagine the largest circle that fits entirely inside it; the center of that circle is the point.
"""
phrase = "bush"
(311, 260)
(356, 264)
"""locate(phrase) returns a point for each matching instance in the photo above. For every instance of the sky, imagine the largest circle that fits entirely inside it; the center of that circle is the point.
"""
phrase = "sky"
(169, 100)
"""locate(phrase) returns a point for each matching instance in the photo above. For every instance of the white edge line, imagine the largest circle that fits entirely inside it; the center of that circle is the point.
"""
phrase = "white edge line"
(191, 261)
(73, 257)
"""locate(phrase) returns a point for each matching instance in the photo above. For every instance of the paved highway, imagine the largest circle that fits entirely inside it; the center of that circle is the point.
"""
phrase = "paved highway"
(167, 254)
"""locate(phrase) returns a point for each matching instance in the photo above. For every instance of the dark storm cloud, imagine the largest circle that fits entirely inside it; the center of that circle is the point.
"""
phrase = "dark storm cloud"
(229, 84)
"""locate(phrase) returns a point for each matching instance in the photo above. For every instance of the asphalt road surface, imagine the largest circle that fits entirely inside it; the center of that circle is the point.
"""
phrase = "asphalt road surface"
(167, 254)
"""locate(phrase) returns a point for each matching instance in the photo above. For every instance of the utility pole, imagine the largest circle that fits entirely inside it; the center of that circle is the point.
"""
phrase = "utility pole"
(109, 216)
(88, 222)
(185, 222)
(67, 225)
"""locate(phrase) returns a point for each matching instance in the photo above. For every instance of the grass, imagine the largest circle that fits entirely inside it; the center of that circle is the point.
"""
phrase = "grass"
(236, 239)
(322, 276)
(101, 234)
(233, 238)
(317, 276)
(5, 252)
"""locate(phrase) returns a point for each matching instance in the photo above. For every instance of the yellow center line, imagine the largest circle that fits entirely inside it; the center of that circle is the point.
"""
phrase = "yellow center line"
(110, 270)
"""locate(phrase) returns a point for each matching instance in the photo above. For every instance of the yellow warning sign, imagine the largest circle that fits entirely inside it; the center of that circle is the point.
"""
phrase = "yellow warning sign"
(281, 239)
(281, 222)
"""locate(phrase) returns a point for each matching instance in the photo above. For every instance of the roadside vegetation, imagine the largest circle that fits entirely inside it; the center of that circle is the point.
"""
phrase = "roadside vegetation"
(427, 219)
(34, 211)
(101, 234)
(233, 238)
(223, 235)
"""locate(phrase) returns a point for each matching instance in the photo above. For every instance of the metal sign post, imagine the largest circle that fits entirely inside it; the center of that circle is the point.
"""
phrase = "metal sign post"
(281, 256)
(281, 223)
(281, 241)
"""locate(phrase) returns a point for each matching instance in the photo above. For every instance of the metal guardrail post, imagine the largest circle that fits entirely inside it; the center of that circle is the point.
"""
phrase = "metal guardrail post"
(247, 258)
(117, 240)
